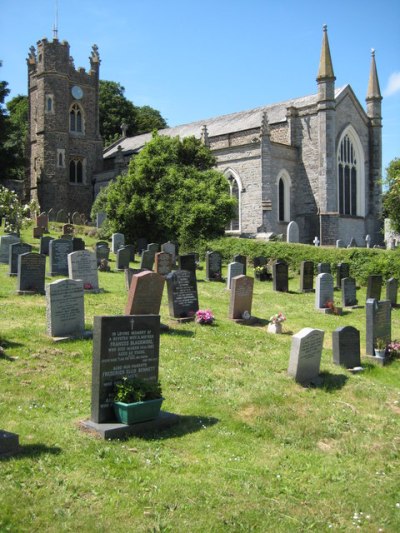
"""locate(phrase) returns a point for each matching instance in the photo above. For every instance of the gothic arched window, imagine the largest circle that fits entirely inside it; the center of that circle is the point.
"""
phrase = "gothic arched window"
(76, 170)
(234, 224)
(283, 197)
(75, 119)
(350, 181)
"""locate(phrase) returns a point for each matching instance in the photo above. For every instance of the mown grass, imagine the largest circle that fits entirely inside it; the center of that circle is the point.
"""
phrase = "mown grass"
(254, 450)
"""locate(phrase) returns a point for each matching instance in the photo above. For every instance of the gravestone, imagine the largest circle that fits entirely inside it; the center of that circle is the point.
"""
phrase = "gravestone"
(170, 248)
(349, 292)
(292, 232)
(352, 243)
(368, 241)
(100, 243)
(145, 294)
(307, 276)
(374, 287)
(342, 271)
(234, 269)
(82, 265)
(183, 300)
(61, 216)
(76, 218)
(44, 244)
(131, 249)
(280, 275)
(260, 261)
(141, 245)
(78, 244)
(153, 247)
(324, 268)
(323, 291)
(123, 257)
(31, 273)
(163, 263)
(340, 244)
(65, 308)
(241, 297)
(67, 237)
(117, 240)
(58, 256)
(52, 215)
(147, 260)
(238, 258)
(68, 229)
(129, 272)
(305, 354)
(102, 252)
(100, 218)
(187, 262)
(391, 291)
(17, 249)
(123, 347)
(37, 233)
(379, 323)
(346, 346)
(9, 443)
(42, 221)
(214, 266)
(5, 242)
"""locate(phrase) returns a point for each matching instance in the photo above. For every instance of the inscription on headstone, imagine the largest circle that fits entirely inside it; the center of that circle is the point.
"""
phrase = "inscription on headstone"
(58, 256)
(305, 354)
(65, 308)
(31, 273)
(83, 265)
(182, 294)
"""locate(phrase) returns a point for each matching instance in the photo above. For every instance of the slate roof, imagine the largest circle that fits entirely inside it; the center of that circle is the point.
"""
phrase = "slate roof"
(224, 124)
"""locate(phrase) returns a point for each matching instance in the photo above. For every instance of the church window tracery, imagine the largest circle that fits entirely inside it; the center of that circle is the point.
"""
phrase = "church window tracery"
(350, 181)
(76, 171)
(283, 196)
(76, 119)
(234, 186)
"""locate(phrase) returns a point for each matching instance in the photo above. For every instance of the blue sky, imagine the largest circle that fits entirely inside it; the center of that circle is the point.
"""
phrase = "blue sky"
(196, 59)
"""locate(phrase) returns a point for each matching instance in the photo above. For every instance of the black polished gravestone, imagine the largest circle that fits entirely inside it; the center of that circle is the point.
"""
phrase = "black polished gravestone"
(379, 323)
(280, 274)
(16, 250)
(307, 276)
(238, 258)
(342, 271)
(123, 347)
(44, 244)
(346, 346)
(187, 262)
(58, 256)
(31, 273)
(349, 292)
(323, 268)
(213, 266)
(374, 287)
(183, 300)
(123, 258)
(391, 291)
(9, 443)
(78, 244)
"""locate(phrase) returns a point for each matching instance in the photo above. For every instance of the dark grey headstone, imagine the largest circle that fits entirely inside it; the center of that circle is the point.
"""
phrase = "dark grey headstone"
(349, 292)
(145, 294)
(68, 229)
(187, 262)
(131, 249)
(374, 287)
(102, 252)
(123, 346)
(346, 346)
(305, 354)
(324, 268)
(213, 266)
(101, 243)
(238, 258)
(147, 260)
(153, 247)
(58, 256)
(17, 249)
(44, 244)
(342, 271)
(306, 276)
(9, 443)
(123, 257)
(391, 291)
(379, 323)
(78, 244)
(129, 272)
(280, 274)
(183, 300)
(5, 243)
(31, 273)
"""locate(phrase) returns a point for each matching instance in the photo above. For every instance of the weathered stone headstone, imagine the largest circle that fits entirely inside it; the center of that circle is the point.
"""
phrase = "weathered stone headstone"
(153, 247)
(37, 233)
(163, 263)
(292, 232)
(238, 258)
(213, 266)
(346, 346)
(5, 242)
(65, 308)
(123, 347)
(342, 271)
(305, 354)
(374, 287)
(234, 269)
(307, 276)
(131, 249)
(62, 216)
(349, 292)
(44, 244)
(76, 218)
(323, 291)
(241, 297)
(17, 249)
(183, 300)
(368, 241)
(58, 256)
(340, 244)
(102, 252)
(52, 215)
(352, 243)
(147, 260)
(31, 273)
(83, 265)
(145, 294)
(391, 291)
(324, 268)
(141, 245)
(100, 218)
(42, 221)
(123, 257)
(117, 240)
(68, 229)
(280, 274)
(187, 262)
(78, 244)
(170, 248)
(379, 323)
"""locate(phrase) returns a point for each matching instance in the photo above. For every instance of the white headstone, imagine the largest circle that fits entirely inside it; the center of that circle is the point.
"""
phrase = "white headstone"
(305, 354)
(83, 265)
(65, 308)
(234, 269)
(117, 240)
(323, 290)
(292, 232)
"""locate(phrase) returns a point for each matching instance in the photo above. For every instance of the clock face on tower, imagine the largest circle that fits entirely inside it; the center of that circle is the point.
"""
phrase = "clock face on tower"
(76, 92)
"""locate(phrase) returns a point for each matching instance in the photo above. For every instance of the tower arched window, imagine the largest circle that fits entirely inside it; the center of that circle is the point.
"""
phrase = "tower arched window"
(349, 172)
(283, 196)
(76, 119)
(234, 189)
(76, 171)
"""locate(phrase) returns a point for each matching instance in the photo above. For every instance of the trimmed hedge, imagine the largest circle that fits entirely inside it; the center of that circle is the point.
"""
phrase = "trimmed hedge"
(363, 261)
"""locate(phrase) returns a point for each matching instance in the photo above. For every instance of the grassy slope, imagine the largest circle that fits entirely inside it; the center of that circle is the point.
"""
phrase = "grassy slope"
(254, 451)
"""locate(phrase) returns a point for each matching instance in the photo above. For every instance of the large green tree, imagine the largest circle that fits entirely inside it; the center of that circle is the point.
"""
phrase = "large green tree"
(171, 191)
(8, 159)
(18, 109)
(391, 199)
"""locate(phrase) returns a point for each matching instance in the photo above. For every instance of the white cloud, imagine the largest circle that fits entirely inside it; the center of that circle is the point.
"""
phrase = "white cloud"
(393, 85)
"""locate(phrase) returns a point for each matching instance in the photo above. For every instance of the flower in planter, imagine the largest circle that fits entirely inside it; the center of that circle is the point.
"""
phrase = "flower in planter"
(277, 319)
(204, 316)
(393, 349)
(136, 390)
(263, 269)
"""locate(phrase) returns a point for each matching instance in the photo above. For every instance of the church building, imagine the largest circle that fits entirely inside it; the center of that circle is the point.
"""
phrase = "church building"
(315, 160)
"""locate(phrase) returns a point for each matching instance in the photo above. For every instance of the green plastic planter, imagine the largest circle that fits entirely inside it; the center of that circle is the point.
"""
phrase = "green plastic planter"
(133, 413)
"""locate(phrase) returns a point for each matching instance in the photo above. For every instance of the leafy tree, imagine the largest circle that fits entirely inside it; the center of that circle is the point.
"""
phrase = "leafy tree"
(18, 133)
(149, 119)
(391, 199)
(171, 191)
(16, 215)
(6, 159)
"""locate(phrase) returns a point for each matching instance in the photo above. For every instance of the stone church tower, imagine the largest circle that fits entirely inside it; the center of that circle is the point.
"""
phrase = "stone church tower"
(65, 143)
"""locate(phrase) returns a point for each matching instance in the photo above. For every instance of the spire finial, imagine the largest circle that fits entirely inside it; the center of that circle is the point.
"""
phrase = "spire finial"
(204, 135)
(373, 90)
(325, 71)
(55, 25)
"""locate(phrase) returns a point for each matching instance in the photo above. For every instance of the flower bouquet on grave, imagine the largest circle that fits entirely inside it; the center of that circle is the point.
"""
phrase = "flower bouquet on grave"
(329, 304)
(275, 323)
(137, 400)
(262, 273)
(393, 349)
(204, 316)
